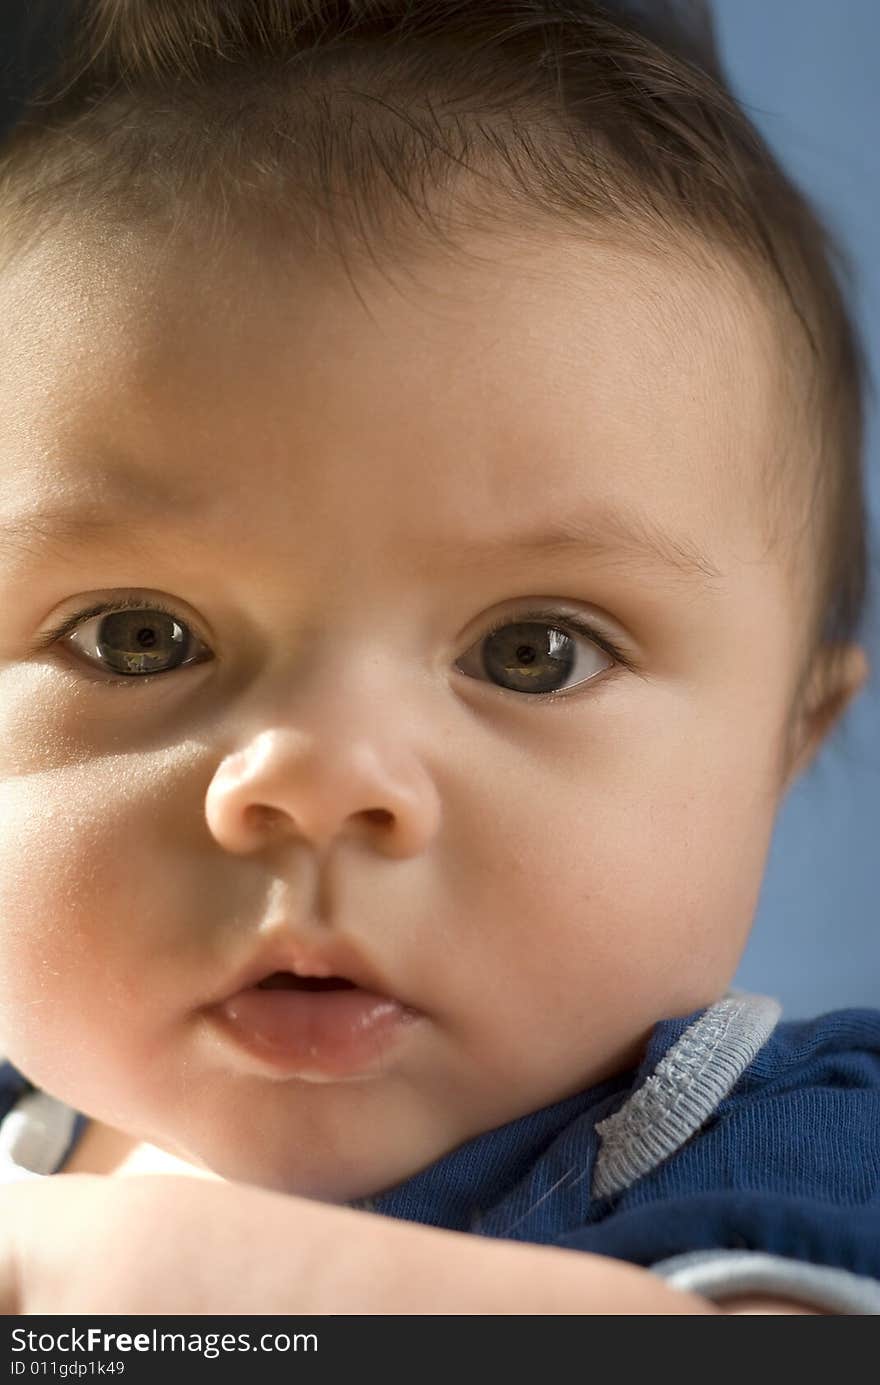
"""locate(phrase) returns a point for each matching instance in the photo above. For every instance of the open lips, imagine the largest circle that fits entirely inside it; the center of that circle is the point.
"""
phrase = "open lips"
(314, 1027)
(288, 981)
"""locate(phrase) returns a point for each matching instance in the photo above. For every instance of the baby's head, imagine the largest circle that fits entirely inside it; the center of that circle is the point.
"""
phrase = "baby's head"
(472, 426)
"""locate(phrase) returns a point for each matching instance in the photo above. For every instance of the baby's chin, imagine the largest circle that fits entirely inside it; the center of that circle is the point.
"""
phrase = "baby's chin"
(109, 1151)
(361, 1152)
(361, 1174)
(324, 1143)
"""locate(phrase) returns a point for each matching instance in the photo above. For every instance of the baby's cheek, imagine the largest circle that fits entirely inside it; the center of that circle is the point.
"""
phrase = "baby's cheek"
(46, 725)
(52, 939)
(61, 1021)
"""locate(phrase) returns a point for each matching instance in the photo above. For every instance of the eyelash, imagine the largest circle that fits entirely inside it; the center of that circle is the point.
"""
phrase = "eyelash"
(558, 619)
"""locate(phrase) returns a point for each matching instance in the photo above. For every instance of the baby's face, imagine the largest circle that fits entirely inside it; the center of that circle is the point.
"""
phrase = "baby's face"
(324, 753)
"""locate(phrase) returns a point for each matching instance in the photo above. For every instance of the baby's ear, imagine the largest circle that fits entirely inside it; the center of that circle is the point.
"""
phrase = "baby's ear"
(830, 691)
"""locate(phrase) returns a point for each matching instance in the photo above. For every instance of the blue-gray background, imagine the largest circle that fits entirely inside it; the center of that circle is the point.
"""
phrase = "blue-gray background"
(806, 71)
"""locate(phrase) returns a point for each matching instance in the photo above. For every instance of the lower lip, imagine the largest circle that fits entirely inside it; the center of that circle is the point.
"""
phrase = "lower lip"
(342, 1033)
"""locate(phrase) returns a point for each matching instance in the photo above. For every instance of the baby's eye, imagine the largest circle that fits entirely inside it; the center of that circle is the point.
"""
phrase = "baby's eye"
(145, 640)
(536, 656)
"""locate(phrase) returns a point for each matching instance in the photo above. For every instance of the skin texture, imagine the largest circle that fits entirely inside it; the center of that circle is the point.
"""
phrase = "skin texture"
(542, 881)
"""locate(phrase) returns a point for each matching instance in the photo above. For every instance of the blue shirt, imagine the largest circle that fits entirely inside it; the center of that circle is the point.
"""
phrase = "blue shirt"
(742, 1155)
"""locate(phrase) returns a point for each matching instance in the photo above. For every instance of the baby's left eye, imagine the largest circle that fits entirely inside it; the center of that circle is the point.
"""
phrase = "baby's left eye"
(132, 642)
(535, 656)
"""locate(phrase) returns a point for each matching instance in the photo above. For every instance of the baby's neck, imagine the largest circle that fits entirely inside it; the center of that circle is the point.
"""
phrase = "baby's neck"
(104, 1150)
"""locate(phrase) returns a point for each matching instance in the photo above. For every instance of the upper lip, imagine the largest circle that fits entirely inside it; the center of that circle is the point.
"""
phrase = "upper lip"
(332, 957)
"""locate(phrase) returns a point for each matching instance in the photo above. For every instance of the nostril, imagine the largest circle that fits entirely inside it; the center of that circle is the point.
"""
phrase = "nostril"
(262, 815)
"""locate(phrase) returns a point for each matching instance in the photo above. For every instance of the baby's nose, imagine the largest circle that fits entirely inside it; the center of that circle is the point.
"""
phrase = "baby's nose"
(282, 785)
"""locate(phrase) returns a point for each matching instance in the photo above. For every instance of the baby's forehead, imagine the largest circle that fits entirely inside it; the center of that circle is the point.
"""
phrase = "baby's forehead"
(549, 355)
(667, 364)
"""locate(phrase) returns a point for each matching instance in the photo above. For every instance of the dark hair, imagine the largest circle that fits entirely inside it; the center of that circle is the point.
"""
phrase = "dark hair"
(615, 118)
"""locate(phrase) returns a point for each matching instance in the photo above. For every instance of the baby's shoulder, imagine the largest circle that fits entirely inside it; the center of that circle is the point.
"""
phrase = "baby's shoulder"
(745, 1158)
(741, 1093)
(810, 1098)
(839, 1049)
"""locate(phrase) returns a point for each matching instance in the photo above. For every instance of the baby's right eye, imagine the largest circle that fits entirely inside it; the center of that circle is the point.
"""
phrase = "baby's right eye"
(145, 639)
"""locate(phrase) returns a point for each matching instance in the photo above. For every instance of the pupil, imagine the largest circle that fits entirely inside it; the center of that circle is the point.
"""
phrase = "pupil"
(525, 654)
(146, 638)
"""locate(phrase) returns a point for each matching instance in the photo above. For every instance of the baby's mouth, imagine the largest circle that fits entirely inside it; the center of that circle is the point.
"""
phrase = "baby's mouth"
(313, 1027)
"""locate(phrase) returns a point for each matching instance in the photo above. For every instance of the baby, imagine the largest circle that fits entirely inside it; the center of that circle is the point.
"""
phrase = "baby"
(432, 542)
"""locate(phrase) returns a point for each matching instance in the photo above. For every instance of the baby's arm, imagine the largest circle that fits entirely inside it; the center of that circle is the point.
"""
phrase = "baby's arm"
(169, 1244)
(148, 1244)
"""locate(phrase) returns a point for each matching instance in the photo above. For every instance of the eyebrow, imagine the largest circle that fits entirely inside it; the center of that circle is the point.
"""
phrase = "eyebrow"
(73, 526)
(120, 496)
(604, 534)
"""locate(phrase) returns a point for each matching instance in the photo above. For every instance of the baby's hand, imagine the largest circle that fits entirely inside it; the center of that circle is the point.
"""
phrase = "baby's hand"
(79, 1243)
